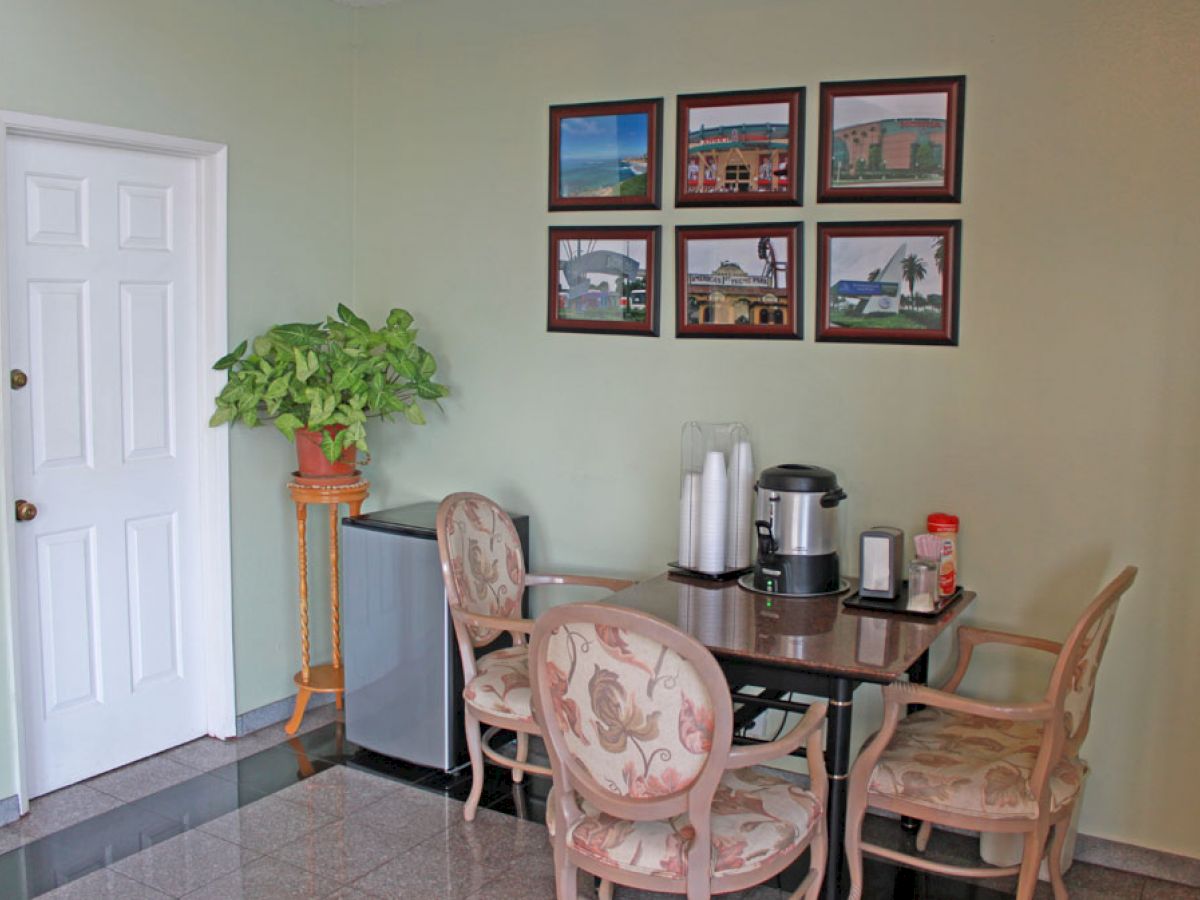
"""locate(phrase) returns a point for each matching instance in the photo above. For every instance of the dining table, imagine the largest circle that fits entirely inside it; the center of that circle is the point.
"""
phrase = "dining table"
(772, 647)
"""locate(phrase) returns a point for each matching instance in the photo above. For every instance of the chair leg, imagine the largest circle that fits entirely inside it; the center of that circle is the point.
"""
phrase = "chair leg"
(817, 851)
(475, 748)
(518, 775)
(566, 876)
(605, 891)
(1054, 860)
(923, 834)
(856, 811)
(1031, 862)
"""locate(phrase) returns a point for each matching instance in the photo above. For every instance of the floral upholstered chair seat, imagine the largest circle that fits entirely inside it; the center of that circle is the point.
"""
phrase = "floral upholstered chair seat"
(756, 817)
(648, 790)
(483, 567)
(962, 762)
(501, 684)
(971, 764)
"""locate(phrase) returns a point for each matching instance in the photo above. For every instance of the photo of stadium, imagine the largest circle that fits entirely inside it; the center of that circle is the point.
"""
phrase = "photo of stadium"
(739, 149)
(891, 140)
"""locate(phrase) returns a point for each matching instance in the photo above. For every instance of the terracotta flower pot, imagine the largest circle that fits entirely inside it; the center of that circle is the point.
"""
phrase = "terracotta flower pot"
(311, 458)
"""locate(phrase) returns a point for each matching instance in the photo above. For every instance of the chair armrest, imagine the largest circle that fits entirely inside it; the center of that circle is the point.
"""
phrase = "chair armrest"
(969, 638)
(902, 693)
(613, 584)
(494, 623)
(968, 633)
(756, 754)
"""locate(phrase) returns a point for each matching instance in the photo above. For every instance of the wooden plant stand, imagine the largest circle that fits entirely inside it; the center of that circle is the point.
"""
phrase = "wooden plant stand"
(328, 678)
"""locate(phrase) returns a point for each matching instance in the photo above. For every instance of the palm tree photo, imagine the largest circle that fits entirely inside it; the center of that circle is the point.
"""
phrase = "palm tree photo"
(913, 269)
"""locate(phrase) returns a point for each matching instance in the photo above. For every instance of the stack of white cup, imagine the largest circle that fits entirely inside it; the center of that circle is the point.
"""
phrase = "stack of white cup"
(714, 505)
(741, 497)
(689, 520)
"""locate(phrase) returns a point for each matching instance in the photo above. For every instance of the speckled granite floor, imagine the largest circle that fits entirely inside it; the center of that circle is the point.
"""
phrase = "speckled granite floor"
(265, 817)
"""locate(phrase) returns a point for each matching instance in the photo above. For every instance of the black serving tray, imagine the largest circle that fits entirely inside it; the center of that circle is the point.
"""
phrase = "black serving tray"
(900, 604)
(728, 575)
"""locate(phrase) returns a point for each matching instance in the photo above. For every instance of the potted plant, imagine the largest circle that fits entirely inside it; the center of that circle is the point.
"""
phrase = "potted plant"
(320, 383)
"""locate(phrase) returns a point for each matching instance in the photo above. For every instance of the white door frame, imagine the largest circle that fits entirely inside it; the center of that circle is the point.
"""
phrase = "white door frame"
(216, 594)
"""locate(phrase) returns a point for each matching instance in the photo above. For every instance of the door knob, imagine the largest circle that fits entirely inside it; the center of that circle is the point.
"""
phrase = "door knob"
(26, 511)
(17, 379)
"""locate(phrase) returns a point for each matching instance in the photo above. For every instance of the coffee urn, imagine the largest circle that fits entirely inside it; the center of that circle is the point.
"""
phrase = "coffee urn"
(796, 521)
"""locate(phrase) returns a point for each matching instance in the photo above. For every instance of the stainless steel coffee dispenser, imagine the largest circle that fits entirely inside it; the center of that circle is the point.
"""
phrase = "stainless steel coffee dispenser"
(796, 521)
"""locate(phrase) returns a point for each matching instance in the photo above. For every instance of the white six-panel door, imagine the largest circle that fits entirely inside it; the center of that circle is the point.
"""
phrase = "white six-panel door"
(102, 316)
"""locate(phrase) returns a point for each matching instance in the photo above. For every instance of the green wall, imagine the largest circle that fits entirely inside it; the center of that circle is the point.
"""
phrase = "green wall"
(272, 79)
(1063, 430)
(403, 151)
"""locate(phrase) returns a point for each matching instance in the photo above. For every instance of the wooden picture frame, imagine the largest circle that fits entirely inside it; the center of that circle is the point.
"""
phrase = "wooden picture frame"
(862, 268)
(606, 155)
(739, 281)
(740, 148)
(891, 140)
(604, 279)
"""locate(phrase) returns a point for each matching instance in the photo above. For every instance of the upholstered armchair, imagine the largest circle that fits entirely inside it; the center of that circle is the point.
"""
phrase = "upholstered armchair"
(648, 791)
(484, 570)
(988, 767)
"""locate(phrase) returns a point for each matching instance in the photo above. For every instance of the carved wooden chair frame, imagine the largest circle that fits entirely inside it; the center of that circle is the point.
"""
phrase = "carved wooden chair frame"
(1056, 745)
(479, 742)
(572, 781)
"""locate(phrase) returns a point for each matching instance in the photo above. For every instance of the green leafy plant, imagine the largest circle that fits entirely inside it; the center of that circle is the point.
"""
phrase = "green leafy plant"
(338, 372)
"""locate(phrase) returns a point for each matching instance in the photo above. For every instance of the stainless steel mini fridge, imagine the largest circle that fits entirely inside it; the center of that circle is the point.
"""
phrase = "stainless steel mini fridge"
(403, 676)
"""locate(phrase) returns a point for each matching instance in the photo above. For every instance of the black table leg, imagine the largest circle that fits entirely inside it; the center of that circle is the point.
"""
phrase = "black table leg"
(918, 673)
(838, 762)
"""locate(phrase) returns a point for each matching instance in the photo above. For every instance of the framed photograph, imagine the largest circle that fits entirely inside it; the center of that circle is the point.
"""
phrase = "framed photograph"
(606, 155)
(604, 280)
(888, 282)
(738, 281)
(742, 148)
(893, 140)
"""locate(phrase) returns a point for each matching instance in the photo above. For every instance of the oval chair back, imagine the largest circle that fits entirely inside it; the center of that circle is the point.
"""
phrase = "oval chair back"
(1073, 683)
(482, 565)
(636, 716)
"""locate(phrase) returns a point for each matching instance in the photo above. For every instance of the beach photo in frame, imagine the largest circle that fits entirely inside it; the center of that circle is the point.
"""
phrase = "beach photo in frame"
(898, 139)
(740, 148)
(738, 281)
(606, 155)
(888, 282)
(604, 280)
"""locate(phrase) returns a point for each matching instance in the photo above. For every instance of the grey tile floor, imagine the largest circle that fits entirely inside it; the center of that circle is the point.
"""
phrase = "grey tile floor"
(349, 834)
(74, 804)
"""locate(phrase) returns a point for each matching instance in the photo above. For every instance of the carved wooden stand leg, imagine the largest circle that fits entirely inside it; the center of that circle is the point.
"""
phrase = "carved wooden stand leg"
(303, 695)
(327, 678)
(335, 620)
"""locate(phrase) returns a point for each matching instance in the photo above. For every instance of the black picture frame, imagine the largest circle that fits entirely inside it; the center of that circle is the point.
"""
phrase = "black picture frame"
(611, 150)
(860, 289)
(575, 303)
(721, 160)
(885, 141)
(721, 299)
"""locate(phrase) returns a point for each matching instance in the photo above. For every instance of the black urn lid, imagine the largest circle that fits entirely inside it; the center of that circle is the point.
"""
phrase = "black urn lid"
(799, 478)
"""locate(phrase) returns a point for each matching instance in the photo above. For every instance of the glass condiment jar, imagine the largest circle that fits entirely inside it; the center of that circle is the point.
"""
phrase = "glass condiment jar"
(922, 585)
